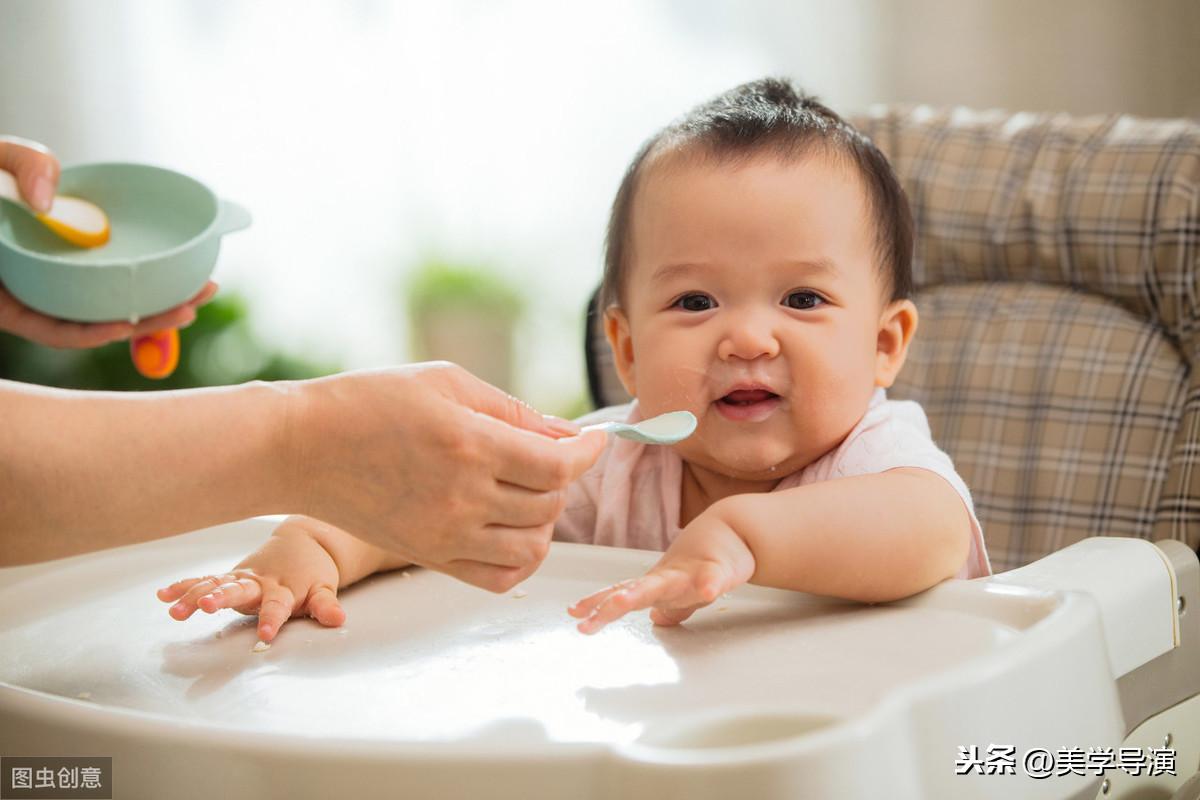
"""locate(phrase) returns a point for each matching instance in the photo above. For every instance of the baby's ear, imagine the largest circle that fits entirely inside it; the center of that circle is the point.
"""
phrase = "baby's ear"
(616, 330)
(897, 325)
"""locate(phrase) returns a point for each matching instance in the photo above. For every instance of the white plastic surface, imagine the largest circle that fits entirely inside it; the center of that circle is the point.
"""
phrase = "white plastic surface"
(445, 690)
(1177, 728)
(1131, 579)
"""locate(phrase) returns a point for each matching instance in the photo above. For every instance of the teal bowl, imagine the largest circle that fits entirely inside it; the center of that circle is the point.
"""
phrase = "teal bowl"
(166, 231)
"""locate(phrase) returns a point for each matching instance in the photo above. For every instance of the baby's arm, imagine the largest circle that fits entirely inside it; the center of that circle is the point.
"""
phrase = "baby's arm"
(298, 570)
(871, 538)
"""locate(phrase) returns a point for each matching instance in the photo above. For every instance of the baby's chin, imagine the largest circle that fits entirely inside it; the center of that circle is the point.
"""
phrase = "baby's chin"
(751, 463)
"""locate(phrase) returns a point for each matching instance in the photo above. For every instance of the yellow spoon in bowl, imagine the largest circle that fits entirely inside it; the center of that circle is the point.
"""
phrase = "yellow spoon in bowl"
(73, 219)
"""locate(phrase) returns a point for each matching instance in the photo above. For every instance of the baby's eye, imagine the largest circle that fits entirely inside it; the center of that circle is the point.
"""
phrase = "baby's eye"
(695, 302)
(803, 300)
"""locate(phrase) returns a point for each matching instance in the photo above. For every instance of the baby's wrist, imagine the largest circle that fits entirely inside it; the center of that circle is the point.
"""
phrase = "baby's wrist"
(722, 541)
(726, 516)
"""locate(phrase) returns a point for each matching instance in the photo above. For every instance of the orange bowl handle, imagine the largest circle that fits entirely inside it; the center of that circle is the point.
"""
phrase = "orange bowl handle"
(155, 355)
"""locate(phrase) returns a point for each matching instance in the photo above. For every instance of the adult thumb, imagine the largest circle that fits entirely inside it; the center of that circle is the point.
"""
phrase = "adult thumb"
(35, 168)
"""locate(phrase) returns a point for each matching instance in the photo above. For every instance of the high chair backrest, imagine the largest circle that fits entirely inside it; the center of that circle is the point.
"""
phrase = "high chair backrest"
(1056, 267)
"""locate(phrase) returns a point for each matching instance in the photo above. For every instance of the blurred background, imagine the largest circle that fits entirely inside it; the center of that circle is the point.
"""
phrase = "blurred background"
(433, 178)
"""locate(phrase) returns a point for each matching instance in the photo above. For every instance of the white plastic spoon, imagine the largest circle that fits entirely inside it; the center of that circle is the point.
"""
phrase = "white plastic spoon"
(669, 428)
(79, 222)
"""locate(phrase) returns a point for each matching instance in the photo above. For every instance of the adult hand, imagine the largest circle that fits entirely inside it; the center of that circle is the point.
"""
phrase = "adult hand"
(36, 170)
(431, 463)
(425, 461)
(20, 319)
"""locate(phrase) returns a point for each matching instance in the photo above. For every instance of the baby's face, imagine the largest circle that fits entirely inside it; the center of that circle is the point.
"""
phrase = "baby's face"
(753, 299)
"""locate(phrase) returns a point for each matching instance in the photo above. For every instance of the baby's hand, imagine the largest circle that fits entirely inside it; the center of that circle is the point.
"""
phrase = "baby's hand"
(705, 561)
(291, 574)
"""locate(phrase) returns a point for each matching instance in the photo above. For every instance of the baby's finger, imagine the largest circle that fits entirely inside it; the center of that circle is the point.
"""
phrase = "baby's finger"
(276, 609)
(587, 605)
(176, 590)
(232, 594)
(668, 616)
(643, 594)
(186, 605)
(701, 589)
(324, 607)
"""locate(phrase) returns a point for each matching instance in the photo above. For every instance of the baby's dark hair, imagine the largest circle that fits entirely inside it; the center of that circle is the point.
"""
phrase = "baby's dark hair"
(771, 115)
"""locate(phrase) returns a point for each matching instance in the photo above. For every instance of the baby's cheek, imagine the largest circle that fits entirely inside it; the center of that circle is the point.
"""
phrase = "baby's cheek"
(671, 388)
(823, 423)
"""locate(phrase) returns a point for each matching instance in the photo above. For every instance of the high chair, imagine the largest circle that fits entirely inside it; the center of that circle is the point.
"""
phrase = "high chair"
(1057, 263)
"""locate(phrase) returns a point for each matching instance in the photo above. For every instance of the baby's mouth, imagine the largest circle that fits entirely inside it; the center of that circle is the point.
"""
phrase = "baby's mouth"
(748, 405)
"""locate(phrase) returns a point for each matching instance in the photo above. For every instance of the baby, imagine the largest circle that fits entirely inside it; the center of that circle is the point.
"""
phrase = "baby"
(758, 272)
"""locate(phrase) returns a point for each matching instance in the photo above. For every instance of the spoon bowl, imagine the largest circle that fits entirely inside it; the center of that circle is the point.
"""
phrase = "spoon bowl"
(74, 219)
(669, 428)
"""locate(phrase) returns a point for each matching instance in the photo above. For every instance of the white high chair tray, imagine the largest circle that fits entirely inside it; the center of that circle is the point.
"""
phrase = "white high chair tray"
(436, 689)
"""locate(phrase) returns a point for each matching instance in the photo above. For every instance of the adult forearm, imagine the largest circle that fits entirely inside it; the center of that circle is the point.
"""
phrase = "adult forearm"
(826, 539)
(85, 470)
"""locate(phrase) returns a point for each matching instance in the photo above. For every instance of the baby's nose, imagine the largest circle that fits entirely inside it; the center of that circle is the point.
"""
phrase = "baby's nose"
(748, 339)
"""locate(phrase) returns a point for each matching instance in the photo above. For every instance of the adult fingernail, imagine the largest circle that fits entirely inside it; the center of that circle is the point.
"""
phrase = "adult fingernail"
(42, 195)
(560, 425)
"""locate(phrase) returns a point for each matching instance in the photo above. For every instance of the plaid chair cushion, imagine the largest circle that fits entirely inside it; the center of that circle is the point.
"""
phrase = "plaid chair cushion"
(1057, 264)
(1059, 409)
(1106, 206)
(1110, 205)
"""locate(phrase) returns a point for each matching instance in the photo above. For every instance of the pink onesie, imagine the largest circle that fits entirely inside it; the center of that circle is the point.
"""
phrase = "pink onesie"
(630, 496)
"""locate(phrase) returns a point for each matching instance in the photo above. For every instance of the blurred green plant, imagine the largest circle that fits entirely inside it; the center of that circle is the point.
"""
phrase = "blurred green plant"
(575, 408)
(218, 349)
(465, 314)
(439, 284)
